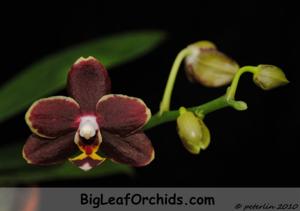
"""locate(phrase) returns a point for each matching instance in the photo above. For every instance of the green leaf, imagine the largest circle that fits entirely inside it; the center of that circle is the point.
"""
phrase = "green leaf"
(12, 155)
(15, 170)
(49, 74)
(33, 174)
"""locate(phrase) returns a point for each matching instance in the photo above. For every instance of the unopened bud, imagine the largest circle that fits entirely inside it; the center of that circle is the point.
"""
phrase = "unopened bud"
(208, 66)
(269, 76)
(192, 131)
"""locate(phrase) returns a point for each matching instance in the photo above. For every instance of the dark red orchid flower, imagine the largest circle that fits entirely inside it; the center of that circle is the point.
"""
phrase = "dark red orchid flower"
(92, 121)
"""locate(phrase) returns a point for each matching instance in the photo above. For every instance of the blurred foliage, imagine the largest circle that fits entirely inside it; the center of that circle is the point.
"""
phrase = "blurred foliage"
(49, 74)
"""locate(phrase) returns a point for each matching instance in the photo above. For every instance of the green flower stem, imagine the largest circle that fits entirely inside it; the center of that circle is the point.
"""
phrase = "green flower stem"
(165, 103)
(228, 100)
(232, 89)
(201, 111)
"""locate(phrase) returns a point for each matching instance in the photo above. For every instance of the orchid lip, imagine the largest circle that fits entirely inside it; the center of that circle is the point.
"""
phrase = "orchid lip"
(86, 166)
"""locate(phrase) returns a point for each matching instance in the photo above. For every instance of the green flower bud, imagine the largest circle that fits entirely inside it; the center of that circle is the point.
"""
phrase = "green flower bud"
(269, 76)
(208, 66)
(192, 131)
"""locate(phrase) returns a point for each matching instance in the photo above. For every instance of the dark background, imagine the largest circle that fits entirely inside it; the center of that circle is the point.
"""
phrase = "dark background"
(256, 147)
